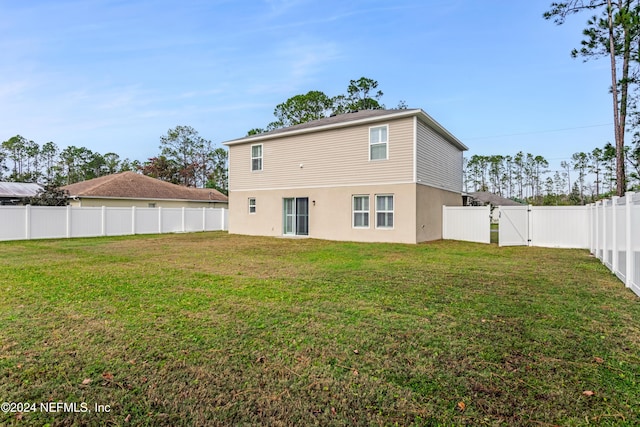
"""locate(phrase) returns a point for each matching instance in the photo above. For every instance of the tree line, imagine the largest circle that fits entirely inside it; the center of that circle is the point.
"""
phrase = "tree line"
(585, 178)
(185, 158)
(361, 94)
(612, 32)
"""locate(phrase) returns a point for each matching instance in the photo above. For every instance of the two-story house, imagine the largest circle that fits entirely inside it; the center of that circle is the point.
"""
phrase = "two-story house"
(371, 176)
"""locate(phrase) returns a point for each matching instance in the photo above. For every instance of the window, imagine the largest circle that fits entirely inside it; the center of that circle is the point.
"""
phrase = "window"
(256, 157)
(384, 211)
(378, 142)
(361, 211)
(252, 205)
(151, 205)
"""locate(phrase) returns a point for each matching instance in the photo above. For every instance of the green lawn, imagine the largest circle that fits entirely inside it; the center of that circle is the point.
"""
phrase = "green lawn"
(217, 329)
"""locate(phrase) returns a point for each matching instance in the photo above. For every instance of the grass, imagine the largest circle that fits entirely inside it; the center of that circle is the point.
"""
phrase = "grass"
(218, 329)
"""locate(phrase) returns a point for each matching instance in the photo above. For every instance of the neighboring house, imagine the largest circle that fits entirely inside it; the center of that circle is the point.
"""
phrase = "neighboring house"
(483, 198)
(375, 176)
(127, 189)
(13, 193)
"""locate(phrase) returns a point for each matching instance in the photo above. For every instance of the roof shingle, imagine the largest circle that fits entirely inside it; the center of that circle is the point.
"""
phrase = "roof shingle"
(131, 185)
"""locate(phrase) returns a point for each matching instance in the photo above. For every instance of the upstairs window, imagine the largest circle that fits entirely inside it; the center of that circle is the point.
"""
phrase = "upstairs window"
(378, 141)
(256, 157)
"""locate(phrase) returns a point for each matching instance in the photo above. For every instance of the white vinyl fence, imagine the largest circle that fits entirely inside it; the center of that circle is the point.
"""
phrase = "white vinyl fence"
(468, 223)
(545, 226)
(610, 229)
(44, 222)
(615, 227)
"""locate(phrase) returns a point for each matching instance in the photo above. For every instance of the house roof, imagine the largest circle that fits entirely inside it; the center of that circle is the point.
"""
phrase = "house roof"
(485, 197)
(18, 189)
(351, 119)
(131, 185)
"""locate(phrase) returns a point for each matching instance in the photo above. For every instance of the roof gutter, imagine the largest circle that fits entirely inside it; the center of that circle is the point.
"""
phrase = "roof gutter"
(400, 114)
(80, 197)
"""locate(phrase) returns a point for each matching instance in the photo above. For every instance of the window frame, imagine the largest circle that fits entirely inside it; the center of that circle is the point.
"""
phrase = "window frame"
(379, 143)
(260, 158)
(365, 212)
(386, 212)
(252, 204)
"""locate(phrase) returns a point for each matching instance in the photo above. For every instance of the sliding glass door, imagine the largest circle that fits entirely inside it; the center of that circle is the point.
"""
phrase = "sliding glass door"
(295, 216)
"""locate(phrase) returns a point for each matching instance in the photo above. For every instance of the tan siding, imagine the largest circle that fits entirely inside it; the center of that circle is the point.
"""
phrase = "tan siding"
(331, 157)
(439, 163)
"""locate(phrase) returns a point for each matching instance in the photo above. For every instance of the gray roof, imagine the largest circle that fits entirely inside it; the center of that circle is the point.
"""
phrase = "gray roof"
(348, 119)
(18, 189)
(485, 197)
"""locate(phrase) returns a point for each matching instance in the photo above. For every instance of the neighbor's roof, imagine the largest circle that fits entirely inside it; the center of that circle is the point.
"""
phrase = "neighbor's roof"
(18, 189)
(131, 185)
(351, 119)
(485, 197)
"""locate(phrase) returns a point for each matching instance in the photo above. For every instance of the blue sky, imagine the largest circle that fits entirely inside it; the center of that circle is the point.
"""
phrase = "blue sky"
(115, 75)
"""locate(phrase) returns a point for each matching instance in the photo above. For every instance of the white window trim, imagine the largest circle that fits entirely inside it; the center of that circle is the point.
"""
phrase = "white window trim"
(354, 211)
(386, 143)
(252, 205)
(261, 158)
(392, 211)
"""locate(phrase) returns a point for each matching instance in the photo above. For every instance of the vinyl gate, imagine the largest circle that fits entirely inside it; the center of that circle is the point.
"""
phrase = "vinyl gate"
(544, 226)
(514, 226)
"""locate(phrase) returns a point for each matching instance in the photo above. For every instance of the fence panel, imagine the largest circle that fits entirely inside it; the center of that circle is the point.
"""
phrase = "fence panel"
(560, 226)
(85, 222)
(193, 220)
(42, 222)
(471, 224)
(215, 219)
(47, 222)
(147, 220)
(619, 245)
(634, 230)
(171, 220)
(607, 237)
(118, 221)
(13, 223)
(600, 235)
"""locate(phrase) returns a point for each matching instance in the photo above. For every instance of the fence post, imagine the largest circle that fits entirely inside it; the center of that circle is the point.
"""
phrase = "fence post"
(592, 237)
(104, 221)
(444, 222)
(133, 220)
(529, 226)
(204, 219)
(614, 238)
(184, 228)
(159, 219)
(223, 211)
(27, 222)
(68, 221)
(604, 231)
(629, 247)
(599, 238)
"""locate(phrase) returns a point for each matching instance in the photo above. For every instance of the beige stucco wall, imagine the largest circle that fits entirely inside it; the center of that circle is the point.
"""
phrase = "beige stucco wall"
(330, 217)
(429, 202)
(143, 203)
